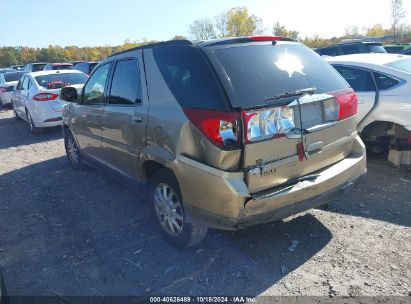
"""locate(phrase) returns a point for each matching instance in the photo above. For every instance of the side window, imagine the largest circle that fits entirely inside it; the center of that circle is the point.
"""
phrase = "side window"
(330, 51)
(384, 82)
(126, 84)
(94, 89)
(350, 49)
(25, 85)
(359, 80)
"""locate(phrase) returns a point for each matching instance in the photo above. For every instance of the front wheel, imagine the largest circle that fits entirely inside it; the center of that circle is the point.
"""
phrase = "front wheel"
(169, 210)
(72, 151)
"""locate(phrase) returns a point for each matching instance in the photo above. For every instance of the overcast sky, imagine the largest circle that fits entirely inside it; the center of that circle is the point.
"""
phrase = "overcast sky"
(38, 23)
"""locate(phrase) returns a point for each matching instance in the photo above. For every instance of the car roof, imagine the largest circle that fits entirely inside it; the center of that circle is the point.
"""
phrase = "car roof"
(370, 58)
(60, 63)
(49, 72)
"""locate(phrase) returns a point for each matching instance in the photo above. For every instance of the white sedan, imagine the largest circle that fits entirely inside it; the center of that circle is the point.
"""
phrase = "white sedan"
(8, 83)
(383, 85)
(37, 97)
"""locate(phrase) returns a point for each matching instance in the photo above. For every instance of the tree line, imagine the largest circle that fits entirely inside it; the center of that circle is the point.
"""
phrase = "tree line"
(234, 22)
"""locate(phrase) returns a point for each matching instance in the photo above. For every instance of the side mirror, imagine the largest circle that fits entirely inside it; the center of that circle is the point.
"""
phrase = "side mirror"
(69, 94)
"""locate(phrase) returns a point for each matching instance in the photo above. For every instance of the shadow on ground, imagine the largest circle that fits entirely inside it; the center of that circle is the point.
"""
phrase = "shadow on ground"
(383, 194)
(82, 233)
(21, 132)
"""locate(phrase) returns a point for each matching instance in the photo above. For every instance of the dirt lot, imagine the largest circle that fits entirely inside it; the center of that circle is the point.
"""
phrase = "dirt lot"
(84, 233)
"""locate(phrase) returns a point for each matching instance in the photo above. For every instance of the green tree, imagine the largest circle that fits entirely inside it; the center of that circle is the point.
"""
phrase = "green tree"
(8, 56)
(375, 31)
(280, 30)
(241, 23)
(315, 41)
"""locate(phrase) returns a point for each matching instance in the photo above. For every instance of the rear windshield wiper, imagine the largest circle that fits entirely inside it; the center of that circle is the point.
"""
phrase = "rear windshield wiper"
(277, 98)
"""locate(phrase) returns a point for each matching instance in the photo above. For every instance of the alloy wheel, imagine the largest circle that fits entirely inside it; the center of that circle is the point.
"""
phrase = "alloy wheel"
(168, 209)
(72, 150)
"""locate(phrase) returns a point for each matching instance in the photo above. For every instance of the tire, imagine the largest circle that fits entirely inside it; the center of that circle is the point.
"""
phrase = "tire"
(16, 116)
(33, 129)
(170, 214)
(72, 151)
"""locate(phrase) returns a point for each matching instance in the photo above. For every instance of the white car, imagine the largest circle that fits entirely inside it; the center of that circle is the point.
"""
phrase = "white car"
(37, 97)
(382, 83)
(8, 83)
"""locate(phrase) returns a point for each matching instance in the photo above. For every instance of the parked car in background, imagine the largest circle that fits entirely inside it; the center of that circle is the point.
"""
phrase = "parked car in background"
(36, 99)
(351, 48)
(76, 62)
(8, 83)
(18, 67)
(383, 85)
(396, 48)
(6, 70)
(406, 52)
(227, 133)
(58, 66)
(34, 67)
(86, 67)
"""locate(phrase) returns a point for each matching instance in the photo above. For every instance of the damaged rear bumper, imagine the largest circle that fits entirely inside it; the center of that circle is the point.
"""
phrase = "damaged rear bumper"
(221, 200)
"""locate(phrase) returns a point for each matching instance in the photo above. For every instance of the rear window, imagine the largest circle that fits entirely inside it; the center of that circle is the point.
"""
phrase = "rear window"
(8, 77)
(91, 67)
(403, 64)
(57, 81)
(258, 72)
(38, 67)
(190, 77)
(63, 67)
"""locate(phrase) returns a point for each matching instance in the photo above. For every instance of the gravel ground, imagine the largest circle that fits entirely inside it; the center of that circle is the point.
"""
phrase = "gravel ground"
(84, 233)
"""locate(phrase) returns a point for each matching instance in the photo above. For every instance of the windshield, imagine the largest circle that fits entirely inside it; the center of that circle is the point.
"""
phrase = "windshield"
(57, 81)
(257, 72)
(403, 65)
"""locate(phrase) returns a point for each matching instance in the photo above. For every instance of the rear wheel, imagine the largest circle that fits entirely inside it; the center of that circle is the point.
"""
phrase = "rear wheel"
(33, 129)
(168, 207)
(72, 151)
(16, 116)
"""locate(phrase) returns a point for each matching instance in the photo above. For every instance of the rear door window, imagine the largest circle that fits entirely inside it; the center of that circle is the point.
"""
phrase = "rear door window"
(360, 80)
(330, 51)
(126, 83)
(95, 87)
(351, 49)
(385, 82)
(259, 71)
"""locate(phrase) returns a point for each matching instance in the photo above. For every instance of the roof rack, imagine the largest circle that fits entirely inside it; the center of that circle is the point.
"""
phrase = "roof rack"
(163, 43)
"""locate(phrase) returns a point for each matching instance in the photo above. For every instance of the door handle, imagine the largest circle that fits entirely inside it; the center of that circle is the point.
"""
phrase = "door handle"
(137, 119)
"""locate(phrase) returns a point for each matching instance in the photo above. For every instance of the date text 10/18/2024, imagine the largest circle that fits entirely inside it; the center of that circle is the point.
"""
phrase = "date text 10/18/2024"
(188, 299)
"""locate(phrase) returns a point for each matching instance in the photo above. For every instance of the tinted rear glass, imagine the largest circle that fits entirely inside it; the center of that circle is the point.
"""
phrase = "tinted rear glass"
(38, 67)
(8, 77)
(261, 71)
(92, 66)
(63, 67)
(190, 77)
(56, 81)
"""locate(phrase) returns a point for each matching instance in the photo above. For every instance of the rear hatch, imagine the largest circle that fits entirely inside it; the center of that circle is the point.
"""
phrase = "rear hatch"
(51, 85)
(297, 112)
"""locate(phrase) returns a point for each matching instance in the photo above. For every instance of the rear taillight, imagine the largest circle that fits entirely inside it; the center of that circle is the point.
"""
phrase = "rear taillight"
(45, 96)
(3, 89)
(221, 128)
(348, 103)
(267, 123)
